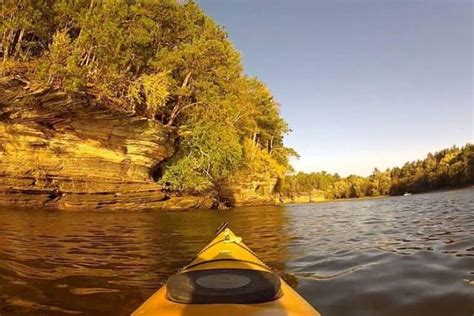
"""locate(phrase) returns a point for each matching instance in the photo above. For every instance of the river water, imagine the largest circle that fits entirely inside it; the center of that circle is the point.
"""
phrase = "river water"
(409, 255)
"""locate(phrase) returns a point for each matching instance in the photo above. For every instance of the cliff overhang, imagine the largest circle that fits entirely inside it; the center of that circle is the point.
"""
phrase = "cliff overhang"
(71, 151)
(68, 151)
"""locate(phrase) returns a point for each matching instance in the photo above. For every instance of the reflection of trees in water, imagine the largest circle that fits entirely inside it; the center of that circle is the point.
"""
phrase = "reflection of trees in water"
(75, 261)
(119, 257)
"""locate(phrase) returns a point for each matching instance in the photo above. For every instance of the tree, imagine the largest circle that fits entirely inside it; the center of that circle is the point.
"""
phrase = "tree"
(162, 60)
(447, 168)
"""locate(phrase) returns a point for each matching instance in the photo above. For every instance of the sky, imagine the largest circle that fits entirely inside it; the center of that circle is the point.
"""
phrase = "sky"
(362, 83)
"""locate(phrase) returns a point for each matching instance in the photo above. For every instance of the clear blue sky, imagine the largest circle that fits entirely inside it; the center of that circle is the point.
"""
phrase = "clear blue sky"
(362, 84)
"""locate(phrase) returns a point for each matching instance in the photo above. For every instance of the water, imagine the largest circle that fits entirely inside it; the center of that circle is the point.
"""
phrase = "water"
(396, 256)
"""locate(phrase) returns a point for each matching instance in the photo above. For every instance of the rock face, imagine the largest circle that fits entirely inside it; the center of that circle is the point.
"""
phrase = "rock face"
(65, 151)
(72, 152)
(249, 188)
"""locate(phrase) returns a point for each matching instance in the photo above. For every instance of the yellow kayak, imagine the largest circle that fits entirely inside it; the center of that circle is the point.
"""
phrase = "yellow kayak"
(226, 278)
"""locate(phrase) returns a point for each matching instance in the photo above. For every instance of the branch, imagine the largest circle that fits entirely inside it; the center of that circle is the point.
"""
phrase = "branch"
(176, 111)
(186, 79)
(187, 106)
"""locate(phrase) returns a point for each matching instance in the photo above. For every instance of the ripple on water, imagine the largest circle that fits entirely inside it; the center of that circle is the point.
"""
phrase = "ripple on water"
(18, 305)
(394, 256)
(391, 285)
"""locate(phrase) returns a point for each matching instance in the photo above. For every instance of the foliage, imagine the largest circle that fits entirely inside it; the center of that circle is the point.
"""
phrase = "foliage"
(151, 90)
(259, 160)
(209, 152)
(163, 60)
(444, 169)
(447, 168)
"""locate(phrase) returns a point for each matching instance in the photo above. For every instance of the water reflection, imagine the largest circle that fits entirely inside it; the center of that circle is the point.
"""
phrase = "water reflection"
(405, 255)
(111, 262)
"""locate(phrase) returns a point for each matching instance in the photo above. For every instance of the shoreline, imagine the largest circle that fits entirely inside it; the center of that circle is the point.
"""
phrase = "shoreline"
(444, 189)
(378, 197)
(337, 200)
(177, 209)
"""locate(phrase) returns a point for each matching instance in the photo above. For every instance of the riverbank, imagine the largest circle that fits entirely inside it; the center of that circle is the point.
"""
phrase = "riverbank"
(66, 151)
(298, 200)
(448, 189)
(318, 201)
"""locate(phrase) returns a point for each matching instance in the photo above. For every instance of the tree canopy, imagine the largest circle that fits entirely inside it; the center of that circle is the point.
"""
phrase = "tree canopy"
(167, 61)
(163, 60)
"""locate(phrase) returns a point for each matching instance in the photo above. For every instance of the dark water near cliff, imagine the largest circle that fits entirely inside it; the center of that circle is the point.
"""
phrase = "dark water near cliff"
(396, 256)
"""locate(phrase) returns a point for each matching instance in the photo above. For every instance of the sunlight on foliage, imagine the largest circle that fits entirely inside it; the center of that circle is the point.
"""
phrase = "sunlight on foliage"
(150, 90)
(447, 168)
(163, 60)
(208, 153)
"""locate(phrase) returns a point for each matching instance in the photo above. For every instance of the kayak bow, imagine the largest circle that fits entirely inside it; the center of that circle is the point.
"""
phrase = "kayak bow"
(226, 278)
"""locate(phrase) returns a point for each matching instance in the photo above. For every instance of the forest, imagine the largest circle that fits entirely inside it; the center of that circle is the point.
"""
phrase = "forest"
(168, 61)
(447, 168)
(160, 60)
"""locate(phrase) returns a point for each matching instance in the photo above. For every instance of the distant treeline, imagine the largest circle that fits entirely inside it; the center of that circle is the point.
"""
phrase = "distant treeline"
(448, 168)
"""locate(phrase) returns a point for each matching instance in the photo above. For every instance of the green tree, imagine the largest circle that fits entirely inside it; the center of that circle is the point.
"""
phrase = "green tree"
(162, 60)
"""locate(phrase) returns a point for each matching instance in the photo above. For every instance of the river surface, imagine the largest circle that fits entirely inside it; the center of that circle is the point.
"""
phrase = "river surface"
(409, 255)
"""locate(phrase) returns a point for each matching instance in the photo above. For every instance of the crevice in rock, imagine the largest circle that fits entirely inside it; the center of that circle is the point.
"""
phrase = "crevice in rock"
(55, 195)
(157, 170)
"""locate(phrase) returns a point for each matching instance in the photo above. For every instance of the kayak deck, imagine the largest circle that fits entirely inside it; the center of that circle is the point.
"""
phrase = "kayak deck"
(227, 251)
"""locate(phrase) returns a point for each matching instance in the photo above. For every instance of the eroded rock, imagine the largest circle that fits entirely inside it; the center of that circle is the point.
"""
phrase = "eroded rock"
(64, 151)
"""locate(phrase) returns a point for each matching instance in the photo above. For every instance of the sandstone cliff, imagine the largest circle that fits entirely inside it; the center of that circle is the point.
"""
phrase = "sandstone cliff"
(65, 151)
(72, 152)
(249, 188)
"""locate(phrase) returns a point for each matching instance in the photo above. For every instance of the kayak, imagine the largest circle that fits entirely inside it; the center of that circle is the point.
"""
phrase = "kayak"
(226, 278)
